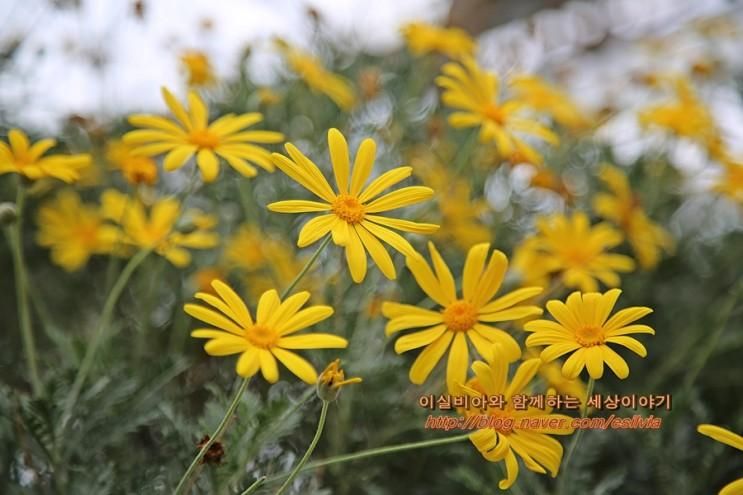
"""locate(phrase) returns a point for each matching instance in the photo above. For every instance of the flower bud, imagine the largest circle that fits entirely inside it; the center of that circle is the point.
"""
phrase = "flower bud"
(331, 381)
(8, 214)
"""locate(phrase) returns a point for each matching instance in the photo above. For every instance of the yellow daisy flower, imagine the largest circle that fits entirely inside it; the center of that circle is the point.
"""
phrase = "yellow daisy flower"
(622, 207)
(156, 230)
(136, 169)
(577, 251)
(352, 212)
(317, 77)
(475, 92)
(73, 231)
(192, 134)
(423, 38)
(459, 320)
(461, 222)
(544, 97)
(534, 445)
(727, 437)
(584, 328)
(686, 117)
(198, 67)
(19, 156)
(262, 341)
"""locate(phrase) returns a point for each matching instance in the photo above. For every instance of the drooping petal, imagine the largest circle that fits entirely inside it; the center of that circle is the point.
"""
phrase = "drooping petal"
(297, 365)
(429, 357)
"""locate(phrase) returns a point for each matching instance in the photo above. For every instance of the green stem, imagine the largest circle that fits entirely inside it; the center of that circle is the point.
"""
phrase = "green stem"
(103, 324)
(21, 288)
(706, 352)
(375, 452)
(320, 427)
(575, 440)
(184, 481)
(306, 267)
(256, 484)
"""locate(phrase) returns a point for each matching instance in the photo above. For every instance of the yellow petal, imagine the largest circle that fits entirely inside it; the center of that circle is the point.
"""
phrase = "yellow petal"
(426, 280)
(362, 165)
(248, 363)
(313, 341)
(385, 181)
(418, 339)
(305, 318)
(178, 157)
(427, 359)
(456, 368)
(339, 158)
(400, 198)
(268, 366)
(297, 365)
(315, 229)
(236, 304)
(355, 256)
(377, 252)
(208, 164)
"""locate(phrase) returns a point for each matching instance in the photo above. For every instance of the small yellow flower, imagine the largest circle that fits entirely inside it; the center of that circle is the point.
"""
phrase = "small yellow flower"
(74, 231)
(267, 96)
(460, 319)
(730, 183)
(18, 156)
(351, 213)
(461, 215)
(158, 230)
(425, 38)
(199, 68)
(727, 437)
(583, 327)
(686, 117)
(542, 96)
(192, 134)
(263, 259)
(136, 169)
(317, 77)
(622, 207)
(332, 379)
(262, 341)
(475, 92)
(537, 449)
(577, 251)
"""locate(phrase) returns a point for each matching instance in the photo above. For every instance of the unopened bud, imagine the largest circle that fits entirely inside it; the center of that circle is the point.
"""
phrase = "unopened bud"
(331, 381)
(8, 214)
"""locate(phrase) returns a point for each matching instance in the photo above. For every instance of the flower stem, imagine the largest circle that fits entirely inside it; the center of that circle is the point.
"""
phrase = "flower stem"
(575, 440)
(103, 324)
(184, 481)
(256, 484)
(318, 433)
(306, 267)
(15, 233)
(390, 449)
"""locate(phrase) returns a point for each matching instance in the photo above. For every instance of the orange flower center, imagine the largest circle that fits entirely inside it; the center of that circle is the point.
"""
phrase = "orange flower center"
(494, 113)
(589, 336)
(261, 336)
(203, 138)
(348, 208)
(578, 256)
(460, 316)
